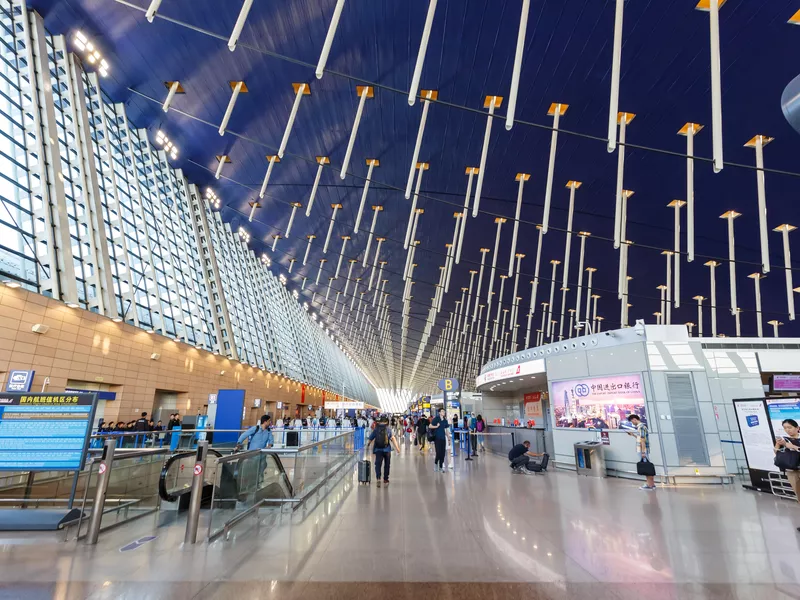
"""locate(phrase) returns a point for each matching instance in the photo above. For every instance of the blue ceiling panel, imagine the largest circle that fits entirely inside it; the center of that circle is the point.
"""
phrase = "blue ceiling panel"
(567, 58)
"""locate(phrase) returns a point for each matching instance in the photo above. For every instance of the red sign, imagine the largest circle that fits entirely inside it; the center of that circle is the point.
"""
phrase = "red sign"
(533, 405)
(303, 393)
(198, 469)
(102, 468)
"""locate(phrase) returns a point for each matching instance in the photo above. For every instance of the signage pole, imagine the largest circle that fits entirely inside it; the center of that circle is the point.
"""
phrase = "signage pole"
(104, 473)
(195, 499)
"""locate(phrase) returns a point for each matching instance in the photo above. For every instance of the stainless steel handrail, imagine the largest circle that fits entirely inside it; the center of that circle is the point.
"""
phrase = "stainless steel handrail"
(294, 450)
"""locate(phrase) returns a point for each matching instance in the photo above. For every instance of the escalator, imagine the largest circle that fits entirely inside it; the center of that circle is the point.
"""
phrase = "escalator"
(245, 480)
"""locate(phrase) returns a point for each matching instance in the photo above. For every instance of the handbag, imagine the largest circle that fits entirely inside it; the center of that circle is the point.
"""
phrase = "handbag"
(646, 468)
(787, 460)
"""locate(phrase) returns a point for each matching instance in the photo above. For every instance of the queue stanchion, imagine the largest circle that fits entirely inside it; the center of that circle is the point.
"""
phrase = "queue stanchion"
(103, 474)
(196, 497)
(466, 435)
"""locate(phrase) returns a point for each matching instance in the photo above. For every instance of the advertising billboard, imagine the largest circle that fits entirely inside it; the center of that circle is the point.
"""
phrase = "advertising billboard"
(598, 402)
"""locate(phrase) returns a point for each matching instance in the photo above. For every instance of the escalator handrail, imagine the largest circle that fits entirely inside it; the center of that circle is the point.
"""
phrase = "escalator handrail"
(162, 480)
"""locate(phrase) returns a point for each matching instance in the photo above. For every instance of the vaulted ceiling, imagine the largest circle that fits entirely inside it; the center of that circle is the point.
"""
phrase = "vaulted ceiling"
(665, 82)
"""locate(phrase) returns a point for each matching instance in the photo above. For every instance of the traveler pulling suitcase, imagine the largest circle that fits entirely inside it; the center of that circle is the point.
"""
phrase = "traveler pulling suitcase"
(364, 471)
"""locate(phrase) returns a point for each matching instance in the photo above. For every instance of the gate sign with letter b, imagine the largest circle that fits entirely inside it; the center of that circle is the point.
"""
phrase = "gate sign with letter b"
(448, 385)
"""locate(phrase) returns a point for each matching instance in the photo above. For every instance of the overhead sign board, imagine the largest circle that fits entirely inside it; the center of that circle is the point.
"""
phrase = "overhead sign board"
(343, 405)
(531, 367)
(45, 432)
(19, 381)
(448, 384)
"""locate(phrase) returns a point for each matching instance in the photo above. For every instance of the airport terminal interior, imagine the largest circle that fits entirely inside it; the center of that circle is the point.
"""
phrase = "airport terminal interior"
(369, 299)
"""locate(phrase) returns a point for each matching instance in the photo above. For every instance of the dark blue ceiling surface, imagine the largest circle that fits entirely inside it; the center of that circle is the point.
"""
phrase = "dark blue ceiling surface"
(665, 82)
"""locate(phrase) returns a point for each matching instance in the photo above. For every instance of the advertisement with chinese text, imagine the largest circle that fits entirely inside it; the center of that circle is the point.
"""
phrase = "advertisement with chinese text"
(598, 402)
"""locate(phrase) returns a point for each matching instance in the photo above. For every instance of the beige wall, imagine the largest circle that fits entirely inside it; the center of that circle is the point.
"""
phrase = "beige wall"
(81, 345)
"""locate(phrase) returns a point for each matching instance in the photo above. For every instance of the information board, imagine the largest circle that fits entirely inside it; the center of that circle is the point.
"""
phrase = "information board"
(45, 432)
(757, 439)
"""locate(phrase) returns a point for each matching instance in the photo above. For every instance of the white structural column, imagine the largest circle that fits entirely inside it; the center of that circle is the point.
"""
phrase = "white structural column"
(471, 171)
(451, 250)
(59, 277)
(326, 46)
(335, 208)
(499, 221)
(577, 314)
(713, 6)
(536, 267)
(623, 252)
(699, 314)
(376, 210)
(321, 162)
(308, 248)
(784, 230)
(756, 277)
(572, 186)
(758, 142)
(712, 266)
(515, 73)
(556, 111)
(616, 62)
(423, 49)
(421, 167)
(483, 251)
(272, 158)
(729, 216)
(775, 324)
(345, 239)
(530, 316)
(371, 164)
(295, 206)
(239, 25)
(668, 254)
(322, 262)
(363, 92)
(427, 96)
(591, 271)
(521, 178)
(690, 130)
(624, 120)
(514, 303)
(237, 87)
(150, 15)
(676, 248)
(490, 102)
(222, 159)
(555, 264)
(173, 87)
(300, 90)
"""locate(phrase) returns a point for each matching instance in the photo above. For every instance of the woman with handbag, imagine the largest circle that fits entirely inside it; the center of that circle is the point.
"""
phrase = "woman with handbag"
(644, 466)
(787, 454)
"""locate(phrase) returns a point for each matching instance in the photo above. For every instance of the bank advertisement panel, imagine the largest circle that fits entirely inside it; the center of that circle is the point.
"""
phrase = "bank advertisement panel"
(598, 402)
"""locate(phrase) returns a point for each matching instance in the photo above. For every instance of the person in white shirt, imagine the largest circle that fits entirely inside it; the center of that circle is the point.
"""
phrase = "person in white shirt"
(315, 428)
(277, 430)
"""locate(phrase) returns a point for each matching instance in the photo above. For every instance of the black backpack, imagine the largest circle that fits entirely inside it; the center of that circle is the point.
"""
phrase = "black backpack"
(381, 437)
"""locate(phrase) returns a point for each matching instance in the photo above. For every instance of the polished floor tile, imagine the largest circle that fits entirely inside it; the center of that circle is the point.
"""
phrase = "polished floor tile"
(475, 532)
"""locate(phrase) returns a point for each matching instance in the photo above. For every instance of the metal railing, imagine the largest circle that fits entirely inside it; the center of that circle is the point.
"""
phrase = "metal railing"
(273, 478)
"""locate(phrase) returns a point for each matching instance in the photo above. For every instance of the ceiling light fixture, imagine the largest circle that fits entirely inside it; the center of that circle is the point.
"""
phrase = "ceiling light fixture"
(93, 56)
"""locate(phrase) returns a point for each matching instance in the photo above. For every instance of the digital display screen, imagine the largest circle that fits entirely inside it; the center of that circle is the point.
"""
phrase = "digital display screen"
(45, 432)
(786, 383)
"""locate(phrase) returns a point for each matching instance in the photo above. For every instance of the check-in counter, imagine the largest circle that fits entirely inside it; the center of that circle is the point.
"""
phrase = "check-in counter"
(501, 444)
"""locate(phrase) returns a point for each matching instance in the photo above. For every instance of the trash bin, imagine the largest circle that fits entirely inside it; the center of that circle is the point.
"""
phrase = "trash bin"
(589, 459)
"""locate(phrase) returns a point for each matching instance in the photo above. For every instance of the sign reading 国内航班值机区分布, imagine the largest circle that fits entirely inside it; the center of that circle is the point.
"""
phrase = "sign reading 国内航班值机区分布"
(45, 432)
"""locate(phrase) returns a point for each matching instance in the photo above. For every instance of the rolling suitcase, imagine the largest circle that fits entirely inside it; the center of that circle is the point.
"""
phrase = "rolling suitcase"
(364, 471)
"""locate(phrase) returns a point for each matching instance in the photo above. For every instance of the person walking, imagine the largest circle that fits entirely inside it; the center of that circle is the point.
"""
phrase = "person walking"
(473, 433)
(259, 436)
(790, 463)
(643, 448)
(480, 427)
(439, 425)
(422, 432)
(381, 439)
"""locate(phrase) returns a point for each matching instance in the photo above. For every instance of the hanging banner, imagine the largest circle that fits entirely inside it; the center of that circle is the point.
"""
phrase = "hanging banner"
(302, 393)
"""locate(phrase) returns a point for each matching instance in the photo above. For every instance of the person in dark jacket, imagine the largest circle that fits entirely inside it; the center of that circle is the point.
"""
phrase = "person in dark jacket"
(422, 432)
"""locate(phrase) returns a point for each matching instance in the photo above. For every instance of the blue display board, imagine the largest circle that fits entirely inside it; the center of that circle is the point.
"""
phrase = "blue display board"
(230, 404)
(19, 381)
(45, 432)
